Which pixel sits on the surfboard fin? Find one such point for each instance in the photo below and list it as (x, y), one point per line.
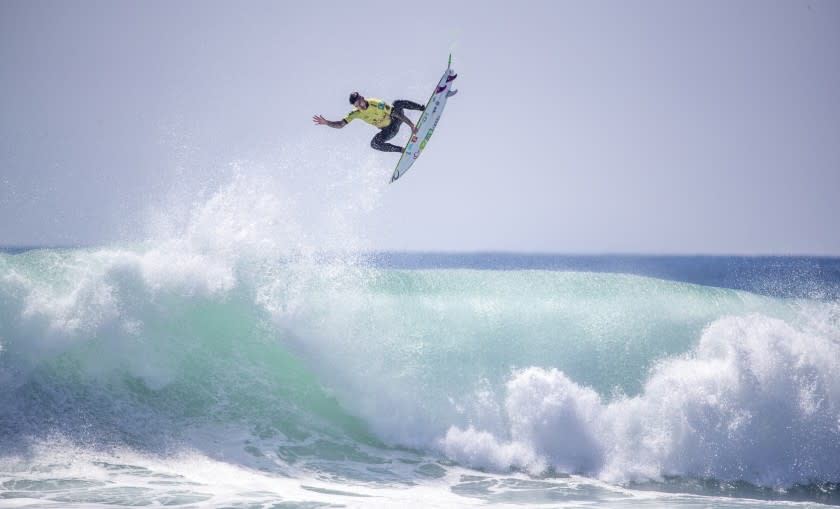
(450, 93)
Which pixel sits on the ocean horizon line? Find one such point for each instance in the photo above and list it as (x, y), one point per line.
(22, 248)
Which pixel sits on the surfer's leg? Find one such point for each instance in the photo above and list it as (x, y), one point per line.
(378, 141)
(379, 144)
(402, 104)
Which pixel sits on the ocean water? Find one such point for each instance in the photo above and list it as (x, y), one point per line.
(210, 368)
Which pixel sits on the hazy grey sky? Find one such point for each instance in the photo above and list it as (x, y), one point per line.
(641, 126)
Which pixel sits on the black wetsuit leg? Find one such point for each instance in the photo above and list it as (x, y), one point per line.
(378, 141)
(402, 104)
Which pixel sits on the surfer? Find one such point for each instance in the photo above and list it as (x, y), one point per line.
(378, 113)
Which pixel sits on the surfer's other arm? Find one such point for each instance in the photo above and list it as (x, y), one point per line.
(399, 114)
(337, 124)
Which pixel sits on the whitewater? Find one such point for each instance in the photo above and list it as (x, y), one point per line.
(231, 360)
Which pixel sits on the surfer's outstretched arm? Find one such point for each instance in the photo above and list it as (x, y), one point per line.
(318, 119)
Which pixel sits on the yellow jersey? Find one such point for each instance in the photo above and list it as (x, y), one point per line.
(378, 113)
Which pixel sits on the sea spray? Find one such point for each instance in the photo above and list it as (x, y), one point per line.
(237, 336)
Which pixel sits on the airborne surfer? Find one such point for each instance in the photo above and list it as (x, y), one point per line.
(378, 113)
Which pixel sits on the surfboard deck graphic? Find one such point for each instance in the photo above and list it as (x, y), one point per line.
(427, 123)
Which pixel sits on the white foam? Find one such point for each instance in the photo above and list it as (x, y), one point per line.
(122, 476)
(757, 400)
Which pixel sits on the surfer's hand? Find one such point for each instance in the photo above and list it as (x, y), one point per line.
(318, 119)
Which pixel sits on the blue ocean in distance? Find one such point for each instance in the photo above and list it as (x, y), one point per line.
(778, 276)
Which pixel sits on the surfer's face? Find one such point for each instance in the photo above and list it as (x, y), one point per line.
(361, 103)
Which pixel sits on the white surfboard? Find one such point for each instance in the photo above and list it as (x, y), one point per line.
(427, 123)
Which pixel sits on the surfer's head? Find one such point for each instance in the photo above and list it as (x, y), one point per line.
(358, 101)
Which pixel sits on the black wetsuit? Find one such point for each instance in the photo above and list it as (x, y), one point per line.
(388, 132)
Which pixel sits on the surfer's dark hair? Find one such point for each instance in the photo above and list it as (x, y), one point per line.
(354, 97)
